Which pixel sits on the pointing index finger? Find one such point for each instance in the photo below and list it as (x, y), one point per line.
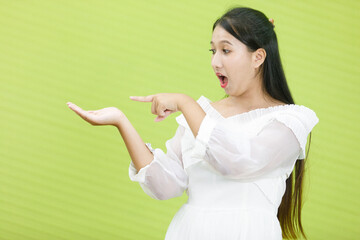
(142, 99)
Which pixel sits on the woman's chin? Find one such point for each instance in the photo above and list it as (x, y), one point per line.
(227, 90)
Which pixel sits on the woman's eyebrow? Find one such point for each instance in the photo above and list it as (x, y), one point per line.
(224, 41)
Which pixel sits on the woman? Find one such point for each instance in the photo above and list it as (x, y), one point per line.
(236, 158)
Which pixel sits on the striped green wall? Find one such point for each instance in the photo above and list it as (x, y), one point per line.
(61, 178)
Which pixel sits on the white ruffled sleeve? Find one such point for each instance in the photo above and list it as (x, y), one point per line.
(271, 152)
(164, 177)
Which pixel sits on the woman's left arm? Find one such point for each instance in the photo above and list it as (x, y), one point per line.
(249, 152)
(235, 154)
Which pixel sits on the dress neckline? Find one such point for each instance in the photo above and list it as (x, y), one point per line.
(246, 115)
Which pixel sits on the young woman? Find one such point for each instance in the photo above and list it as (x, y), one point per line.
(241, 159)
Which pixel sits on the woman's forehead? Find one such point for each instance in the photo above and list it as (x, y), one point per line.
(221, 36)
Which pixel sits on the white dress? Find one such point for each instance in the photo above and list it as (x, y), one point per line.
(233, 172)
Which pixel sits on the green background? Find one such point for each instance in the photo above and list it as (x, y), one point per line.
(61, 178)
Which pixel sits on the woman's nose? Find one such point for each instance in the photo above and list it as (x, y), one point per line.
(216, 61)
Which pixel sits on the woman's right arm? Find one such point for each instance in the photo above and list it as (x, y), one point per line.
(140, 155)
(160, 175)
(165, 176)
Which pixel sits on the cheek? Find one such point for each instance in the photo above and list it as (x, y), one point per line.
(242, 67)
(237, 68)
(239, 72)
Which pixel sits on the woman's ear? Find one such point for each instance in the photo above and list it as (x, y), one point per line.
(259, 57)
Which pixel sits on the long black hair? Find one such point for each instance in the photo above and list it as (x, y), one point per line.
(253, 28)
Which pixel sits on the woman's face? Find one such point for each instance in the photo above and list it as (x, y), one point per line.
(232, 62)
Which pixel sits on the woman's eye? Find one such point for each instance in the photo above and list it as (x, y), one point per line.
(212, 50)
(226, 51)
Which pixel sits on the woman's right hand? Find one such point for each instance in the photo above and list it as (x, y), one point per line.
(105, 116)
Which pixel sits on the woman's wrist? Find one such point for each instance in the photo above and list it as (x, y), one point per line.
(120, 120)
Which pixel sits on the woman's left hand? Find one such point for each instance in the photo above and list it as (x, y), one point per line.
(163, 104)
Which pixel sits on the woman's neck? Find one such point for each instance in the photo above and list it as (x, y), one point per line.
(248, 102)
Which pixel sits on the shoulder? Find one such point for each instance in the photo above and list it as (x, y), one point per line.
(299, 113)
(300, 120)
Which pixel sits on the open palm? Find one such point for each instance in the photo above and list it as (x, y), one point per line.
(105, 116)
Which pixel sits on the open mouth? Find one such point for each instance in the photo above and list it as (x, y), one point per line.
(223, 80)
